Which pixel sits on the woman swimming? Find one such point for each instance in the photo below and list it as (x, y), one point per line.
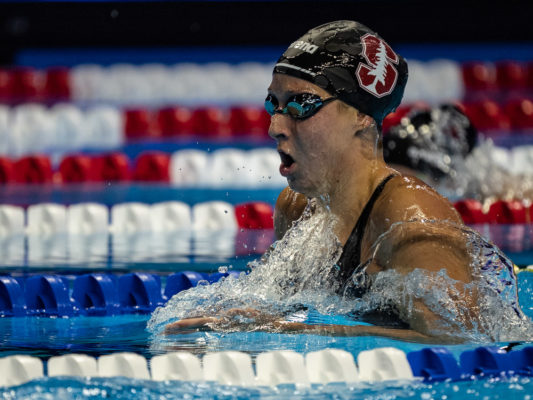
(329, 94)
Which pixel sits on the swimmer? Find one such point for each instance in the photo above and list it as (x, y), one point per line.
(430, 143)
(329, 94)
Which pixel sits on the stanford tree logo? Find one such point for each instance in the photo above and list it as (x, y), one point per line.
(378, 77)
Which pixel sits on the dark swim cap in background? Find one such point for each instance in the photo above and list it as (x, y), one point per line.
(352, 62)
(431, 141)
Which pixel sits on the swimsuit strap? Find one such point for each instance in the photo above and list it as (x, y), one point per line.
(350, 259)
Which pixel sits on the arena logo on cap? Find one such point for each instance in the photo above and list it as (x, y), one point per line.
(378, 77)
(304, 46)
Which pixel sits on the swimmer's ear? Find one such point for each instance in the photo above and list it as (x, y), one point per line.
(366, 125)
(366, 121)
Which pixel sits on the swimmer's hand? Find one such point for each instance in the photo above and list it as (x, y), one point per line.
(188, 325)
(231, 319)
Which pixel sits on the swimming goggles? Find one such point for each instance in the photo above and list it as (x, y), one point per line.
(299, 106)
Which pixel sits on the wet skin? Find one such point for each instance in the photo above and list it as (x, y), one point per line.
(335, 153)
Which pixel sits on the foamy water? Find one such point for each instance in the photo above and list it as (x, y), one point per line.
(301, 270)
(490, 172)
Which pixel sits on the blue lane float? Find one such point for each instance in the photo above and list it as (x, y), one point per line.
(96, 294)
(187, 279)
(12, 302)
(488, 361)
(139, 292)
(523, 361)
(434, 364)
(48, 295)
(182, 281)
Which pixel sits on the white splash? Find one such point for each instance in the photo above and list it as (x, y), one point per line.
(301, 270)
(490, 172)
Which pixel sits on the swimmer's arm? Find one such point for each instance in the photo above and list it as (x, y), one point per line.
(413, 249)
(416, 244)
(408, 335)
(289, 207)
(206, 323)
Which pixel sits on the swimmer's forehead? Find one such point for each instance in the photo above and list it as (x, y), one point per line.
(283, 86)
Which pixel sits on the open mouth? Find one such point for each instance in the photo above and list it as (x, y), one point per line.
(286, 163)
(286, 160)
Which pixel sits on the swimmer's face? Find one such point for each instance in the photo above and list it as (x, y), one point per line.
(314, 151)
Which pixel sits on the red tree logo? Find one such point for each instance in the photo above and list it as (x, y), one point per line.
(378, 77)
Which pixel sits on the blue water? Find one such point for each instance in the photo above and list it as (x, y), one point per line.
(45, 337)
(123, 388)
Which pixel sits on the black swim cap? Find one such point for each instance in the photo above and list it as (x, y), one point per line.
(430, 141)
(351, 62)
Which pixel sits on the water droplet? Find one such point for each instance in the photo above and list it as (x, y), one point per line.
(222, 269)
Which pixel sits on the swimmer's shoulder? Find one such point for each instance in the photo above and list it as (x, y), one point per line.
(289, 207)
(418, 245)
(407, 198)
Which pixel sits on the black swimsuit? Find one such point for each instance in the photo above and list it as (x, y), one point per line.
(350, 264)
(350, 260)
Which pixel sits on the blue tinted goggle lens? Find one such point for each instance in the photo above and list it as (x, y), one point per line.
(299, 106)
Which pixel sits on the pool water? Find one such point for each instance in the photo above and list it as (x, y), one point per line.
(122, 388)
(45, 337)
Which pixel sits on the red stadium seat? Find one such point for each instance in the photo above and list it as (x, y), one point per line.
(529, 80)
(471, 211)
(511, 75)
(6, 85)
(507, 212)
(57, 84)
(520, 112)
(212, 121)
(152, 166)
(255, 215)
(250, 121)
(78, 168)
(28, 84)
(140, 123)
(175, 121)
(33, 169)
(479, 76)
(487, 115)
(112, 167)
(7, 171)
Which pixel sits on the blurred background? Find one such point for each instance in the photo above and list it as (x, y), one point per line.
(146, 118)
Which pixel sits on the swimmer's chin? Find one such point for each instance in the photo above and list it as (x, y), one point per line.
(307, 190)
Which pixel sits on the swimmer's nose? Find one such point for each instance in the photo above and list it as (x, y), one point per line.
(279, 127)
